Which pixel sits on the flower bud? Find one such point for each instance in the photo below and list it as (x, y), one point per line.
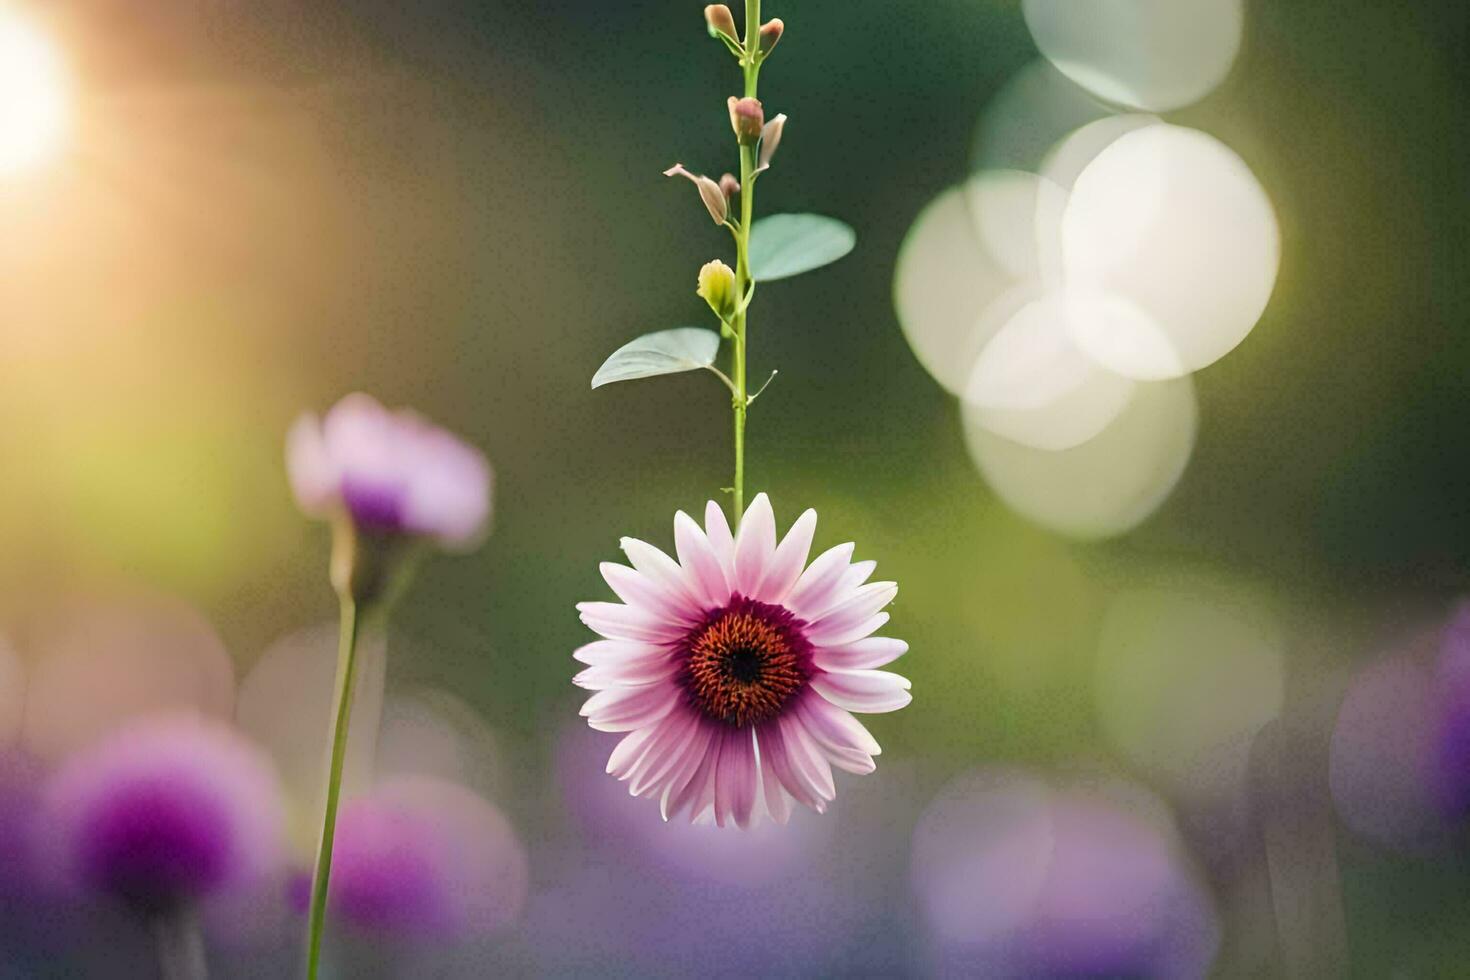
(747, 118)
(770, 34)
(771, 138)
(718, 18)
(709, 192)
(729, 185)
(717, 286)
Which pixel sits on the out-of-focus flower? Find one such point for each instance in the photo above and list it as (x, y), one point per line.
(390, 473)
(420, 858)
(165, 812)
(1451, 739)
(735, 668)
(1017, 879)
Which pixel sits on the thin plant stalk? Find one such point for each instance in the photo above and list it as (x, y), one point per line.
(741, 401)
(180, 946)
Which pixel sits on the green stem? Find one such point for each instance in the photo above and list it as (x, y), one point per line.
(741, 401)
(341, 713)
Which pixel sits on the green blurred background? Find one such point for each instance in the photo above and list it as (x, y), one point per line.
(458, 206)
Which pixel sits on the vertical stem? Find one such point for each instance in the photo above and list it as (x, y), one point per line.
(180, 946)
(341, 712)
(741, 401)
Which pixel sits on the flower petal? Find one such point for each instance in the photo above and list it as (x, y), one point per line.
(838, 750)
(629, 750)
(315, 480)
(808, 763)
(682, 776)
(864, 654)
(776, 760)
(618, 651)
(631, 673)
(735, 779)
(856, 607)
(755, 544)
(701, 564)
(619, 622)
(645, 593)
(622, 709)
(868, 691)
(811, 593)
(773, 796)
(717, 529)
(836, 637)
(790, 558)
(664, 752)
(831, 725)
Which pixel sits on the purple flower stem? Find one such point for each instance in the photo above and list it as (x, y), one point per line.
(180, 946)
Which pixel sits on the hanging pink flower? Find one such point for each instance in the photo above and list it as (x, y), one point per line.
(735, 668)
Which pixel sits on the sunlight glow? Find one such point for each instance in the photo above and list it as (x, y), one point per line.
(34, 111)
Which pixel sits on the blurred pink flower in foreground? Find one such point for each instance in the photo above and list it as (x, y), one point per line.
(390, 472)
(735, 668)
(167, 811)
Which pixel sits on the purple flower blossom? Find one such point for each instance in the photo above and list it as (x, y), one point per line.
(166, 811)
(424, 859)
(1451, 752)
(390, 472)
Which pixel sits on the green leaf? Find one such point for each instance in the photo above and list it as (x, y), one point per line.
(790, 244)
(665, 352)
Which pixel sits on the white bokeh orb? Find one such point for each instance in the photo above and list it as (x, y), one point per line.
(1171, 248)
(1032, 385)
(1150, 54)
(1105, 486)
(34, 103)
(967, 251)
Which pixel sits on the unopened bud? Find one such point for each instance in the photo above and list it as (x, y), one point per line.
(747, 119)
(709, 192)
(717, 286)
(729, 185)
(718, 18)
(771, 138)
(770, 34)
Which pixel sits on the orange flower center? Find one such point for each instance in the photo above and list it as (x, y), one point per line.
(746, 662)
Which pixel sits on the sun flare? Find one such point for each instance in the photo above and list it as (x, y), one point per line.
(33, 96)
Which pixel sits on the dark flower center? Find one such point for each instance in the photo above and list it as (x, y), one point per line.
(745, 662)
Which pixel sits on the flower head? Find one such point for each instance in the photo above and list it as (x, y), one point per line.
(733, 669)
(389, 472)
(747, 118)
(717, 288)
(167, 811)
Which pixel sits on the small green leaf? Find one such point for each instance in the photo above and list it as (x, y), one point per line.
(665, 352)
(790, 244)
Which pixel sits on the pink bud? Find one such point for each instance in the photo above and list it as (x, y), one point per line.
(729, 185)
(771, 138)
(747, 118)
(709, 192)
(770, 34)
(718, 18)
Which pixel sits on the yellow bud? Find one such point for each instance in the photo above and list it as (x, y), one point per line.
(717, 286)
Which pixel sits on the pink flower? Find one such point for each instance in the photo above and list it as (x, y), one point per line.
(733, 670)
(390, 472)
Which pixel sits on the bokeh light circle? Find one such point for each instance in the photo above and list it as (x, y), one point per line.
(1152, 54)
(1105, 486)
(34, 109)
(1171, 247)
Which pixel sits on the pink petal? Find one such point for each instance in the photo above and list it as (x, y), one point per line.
(660, 568)
(663, 752)
(314, 478)
(854, 609)
(776, 801)
(628, 751)
(645, 593)
(871, 651)
(600, 652)
(622, 709)
(831, 725)
(837, 637)
(632, 673)
(776, 760)
(789, 560)
(681, 777)
(717, 529)
(868, 691)
(810, 595)
(755, 544)
(808, 762)
(735, 779)
(619, 622)
(700, 562)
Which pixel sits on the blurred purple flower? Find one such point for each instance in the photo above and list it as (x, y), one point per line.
(391, 472)
(164, 812)
(1451, 761)
(1016, 879)
(419, 858)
